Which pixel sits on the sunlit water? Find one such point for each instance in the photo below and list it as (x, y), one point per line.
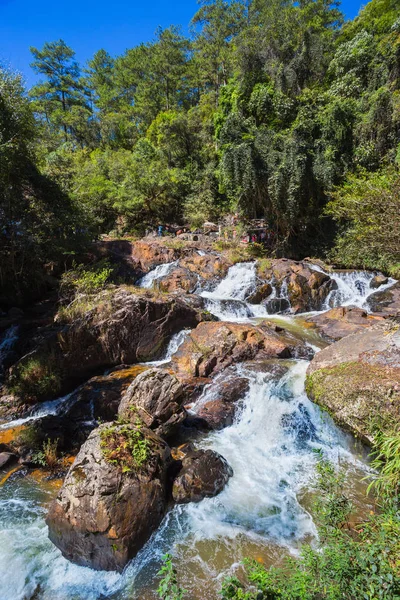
(263, 512)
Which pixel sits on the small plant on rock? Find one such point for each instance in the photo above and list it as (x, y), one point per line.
(125, 446)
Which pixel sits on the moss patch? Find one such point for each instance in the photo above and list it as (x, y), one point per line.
(359, 397)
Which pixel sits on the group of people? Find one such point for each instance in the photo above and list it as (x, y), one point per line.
(264, 236)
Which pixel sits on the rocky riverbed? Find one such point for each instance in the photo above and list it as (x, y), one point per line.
(182, 402)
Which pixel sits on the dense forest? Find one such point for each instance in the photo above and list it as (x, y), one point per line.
(275, 109)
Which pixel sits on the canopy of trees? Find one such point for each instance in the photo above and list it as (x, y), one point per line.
(270, 108)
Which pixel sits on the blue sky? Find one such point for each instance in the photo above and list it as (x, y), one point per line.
(88, 25)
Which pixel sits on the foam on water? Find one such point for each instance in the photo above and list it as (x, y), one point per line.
(353, 288)
(227, 300)
(148, 280)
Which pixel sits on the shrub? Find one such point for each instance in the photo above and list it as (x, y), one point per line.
(47, 457)
(367, 209)
(35, 380)
(86, 279)
(169, 588)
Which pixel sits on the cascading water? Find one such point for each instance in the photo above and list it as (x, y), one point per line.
(227, 300)
(353, 288)
(147, 281)
(175, 342)
(262, 513)
(45, 409)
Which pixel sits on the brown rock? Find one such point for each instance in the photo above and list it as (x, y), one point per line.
(339, 322)
(157, 397)
(213, 346)
(387, 302)
(204, 474)
(378, 280)
(219, 411)
(124, 328)
(260, 294)
(102, 515)
(357, 379)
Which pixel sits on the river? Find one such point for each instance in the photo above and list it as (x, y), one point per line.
(264, 512)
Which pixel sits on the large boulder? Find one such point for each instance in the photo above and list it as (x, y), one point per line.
(213, 346)
(339, 322)
(357, 379)
(113, 497)
(121, 328)
(204, 474)
(156, 396)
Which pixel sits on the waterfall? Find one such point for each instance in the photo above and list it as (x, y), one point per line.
(353, 288)
(227, 300)
(175, 342)
(148, 280)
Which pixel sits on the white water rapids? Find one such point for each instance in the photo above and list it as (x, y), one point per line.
(261, 513)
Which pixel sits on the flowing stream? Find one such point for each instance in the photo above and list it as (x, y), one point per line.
(263, 513)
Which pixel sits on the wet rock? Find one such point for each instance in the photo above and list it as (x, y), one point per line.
(387, 302)
(357, 379)
(204, 474)
(262, 292)
(277, 305)
(220, 410)
(339, 322)
(214, 346)
(307, 289)
(123, 328)
(178, 279)
(157, 397)
(378, 280)
(6, 458)
(104, 514)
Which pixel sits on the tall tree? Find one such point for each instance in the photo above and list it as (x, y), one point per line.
(61, 99)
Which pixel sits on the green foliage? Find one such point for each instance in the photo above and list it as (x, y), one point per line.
(125, 446)
(387, 462)
(35, 379)
(47, 457)
(87, 280)
(169, 588)
(368, 210)
(270, 109)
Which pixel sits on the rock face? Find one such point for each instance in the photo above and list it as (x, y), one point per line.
(102, 515)
(157, 397)
(204, 474)
(179, 278)
(124, 328)
(357, 379)
(387, 302)
(219, 411)
(378, 280)
(213, 346)
(307, 289)
(339, 322)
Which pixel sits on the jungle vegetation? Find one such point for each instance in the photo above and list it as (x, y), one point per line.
(275, 109)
